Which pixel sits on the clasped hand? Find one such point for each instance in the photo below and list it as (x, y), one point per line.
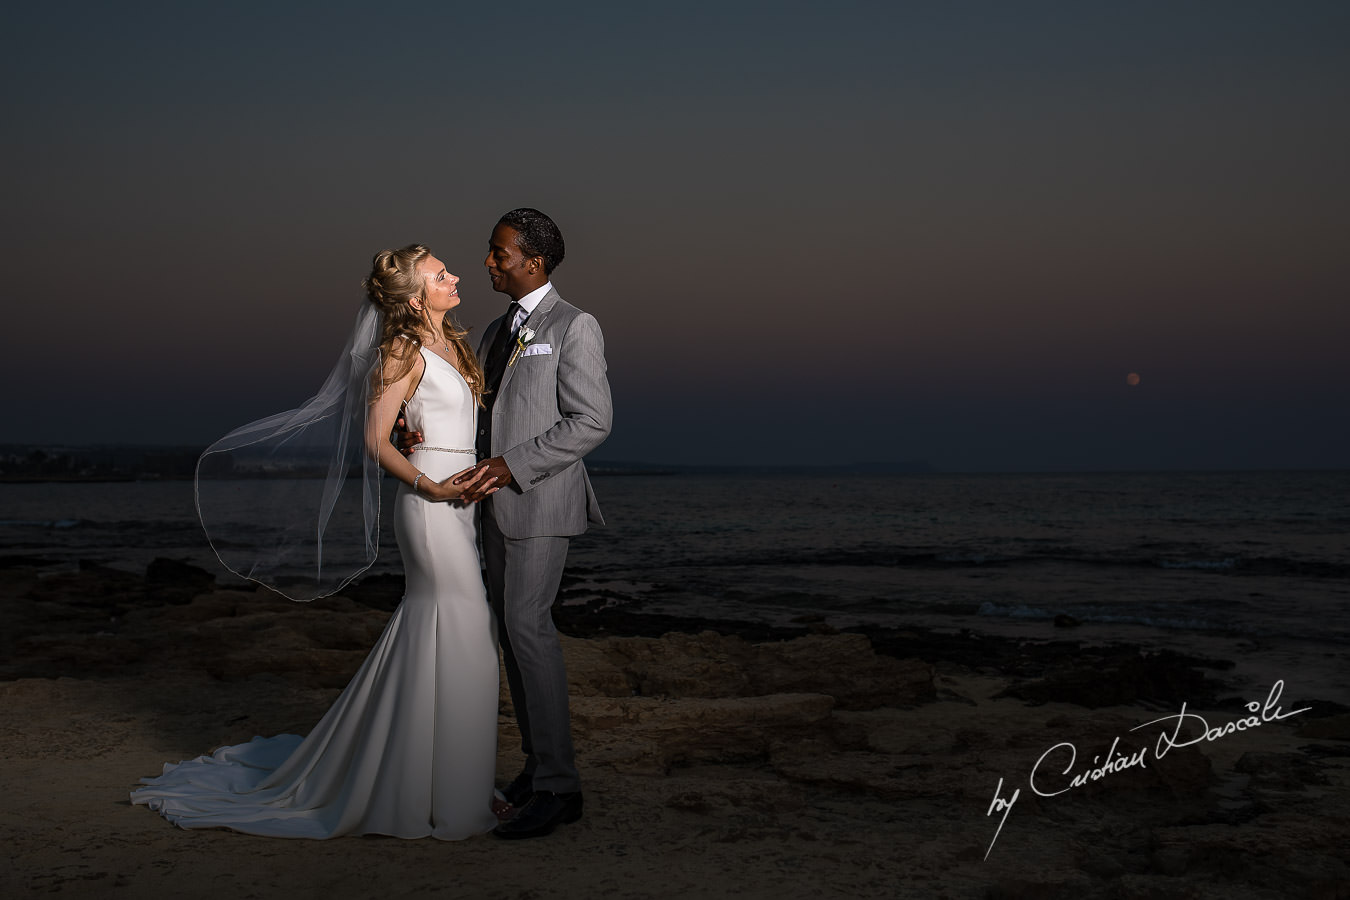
(498, 476)
(470, 485)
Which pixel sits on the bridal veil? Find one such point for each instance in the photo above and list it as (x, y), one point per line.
(292, 501)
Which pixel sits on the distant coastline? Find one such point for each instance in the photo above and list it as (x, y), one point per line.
(98, 463)
(624, 467)
(41, 463)
(24, 463)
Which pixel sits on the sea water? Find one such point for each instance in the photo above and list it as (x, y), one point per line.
(1162, 558)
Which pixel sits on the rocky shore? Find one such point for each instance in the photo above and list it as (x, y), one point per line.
(721, 759)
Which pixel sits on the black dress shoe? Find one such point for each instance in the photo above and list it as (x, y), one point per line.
(545, 812)
(518, 792)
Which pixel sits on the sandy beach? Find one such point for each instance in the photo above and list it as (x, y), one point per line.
(719, 761)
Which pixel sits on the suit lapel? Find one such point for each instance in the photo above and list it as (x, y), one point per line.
(536, 321)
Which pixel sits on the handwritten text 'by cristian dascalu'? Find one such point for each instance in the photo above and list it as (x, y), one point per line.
(1047, 779)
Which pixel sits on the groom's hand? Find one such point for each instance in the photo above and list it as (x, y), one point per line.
(404, 440)
(495, 468)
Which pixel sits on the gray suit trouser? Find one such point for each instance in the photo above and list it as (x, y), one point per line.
(522, 581)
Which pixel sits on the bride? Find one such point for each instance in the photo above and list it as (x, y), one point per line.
(409, 748)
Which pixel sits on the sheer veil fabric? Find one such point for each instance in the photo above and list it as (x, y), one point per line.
(292, 501)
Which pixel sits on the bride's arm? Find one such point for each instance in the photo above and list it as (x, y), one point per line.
(381, 421)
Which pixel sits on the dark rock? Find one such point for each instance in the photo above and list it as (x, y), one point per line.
(1186, 772)
(1280, 771)
(174, 581)
(1331, 728)
(710, 665)
(1098, 679)
(645, 735)
(92, 585)
(1170, 860)
(1038, 889)
(382, 592)
(690, 801)
(20, 561)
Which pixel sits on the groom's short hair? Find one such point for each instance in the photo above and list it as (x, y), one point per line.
(536, 235)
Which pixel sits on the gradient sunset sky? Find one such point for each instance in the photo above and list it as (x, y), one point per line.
(812, 232)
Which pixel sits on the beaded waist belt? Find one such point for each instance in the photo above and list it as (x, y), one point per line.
(445, 450)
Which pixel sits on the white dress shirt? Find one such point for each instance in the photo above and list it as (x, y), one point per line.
(527, 305)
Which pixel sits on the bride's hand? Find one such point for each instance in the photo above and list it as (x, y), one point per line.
(448, 490)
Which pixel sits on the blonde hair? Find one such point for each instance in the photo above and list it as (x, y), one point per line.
(393, 282)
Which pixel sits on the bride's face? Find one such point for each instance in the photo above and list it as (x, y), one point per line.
(442, 288)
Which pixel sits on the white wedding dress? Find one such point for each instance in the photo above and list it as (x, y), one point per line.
(409, 748)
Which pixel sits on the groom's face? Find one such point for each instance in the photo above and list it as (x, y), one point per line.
(511, 272)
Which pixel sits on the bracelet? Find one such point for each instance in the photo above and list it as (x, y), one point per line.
(420, 476)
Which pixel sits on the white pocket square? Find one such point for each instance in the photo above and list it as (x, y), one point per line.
(538, 350)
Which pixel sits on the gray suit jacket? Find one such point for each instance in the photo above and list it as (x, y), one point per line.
(552, 409)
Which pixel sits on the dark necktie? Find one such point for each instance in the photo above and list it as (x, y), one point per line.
(494, 366)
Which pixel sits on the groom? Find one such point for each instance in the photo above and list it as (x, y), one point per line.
(547, 406)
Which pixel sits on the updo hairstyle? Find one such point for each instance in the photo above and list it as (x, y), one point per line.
(393, 282)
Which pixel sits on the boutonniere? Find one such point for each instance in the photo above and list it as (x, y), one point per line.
(523, 338)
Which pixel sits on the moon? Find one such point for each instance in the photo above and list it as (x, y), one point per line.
(1132, 379)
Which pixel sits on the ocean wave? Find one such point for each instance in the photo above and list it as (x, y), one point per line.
(40, 523)
(994, 610)
(1227, 563)
(863, 557)
(968, 558)
(1199, 563)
